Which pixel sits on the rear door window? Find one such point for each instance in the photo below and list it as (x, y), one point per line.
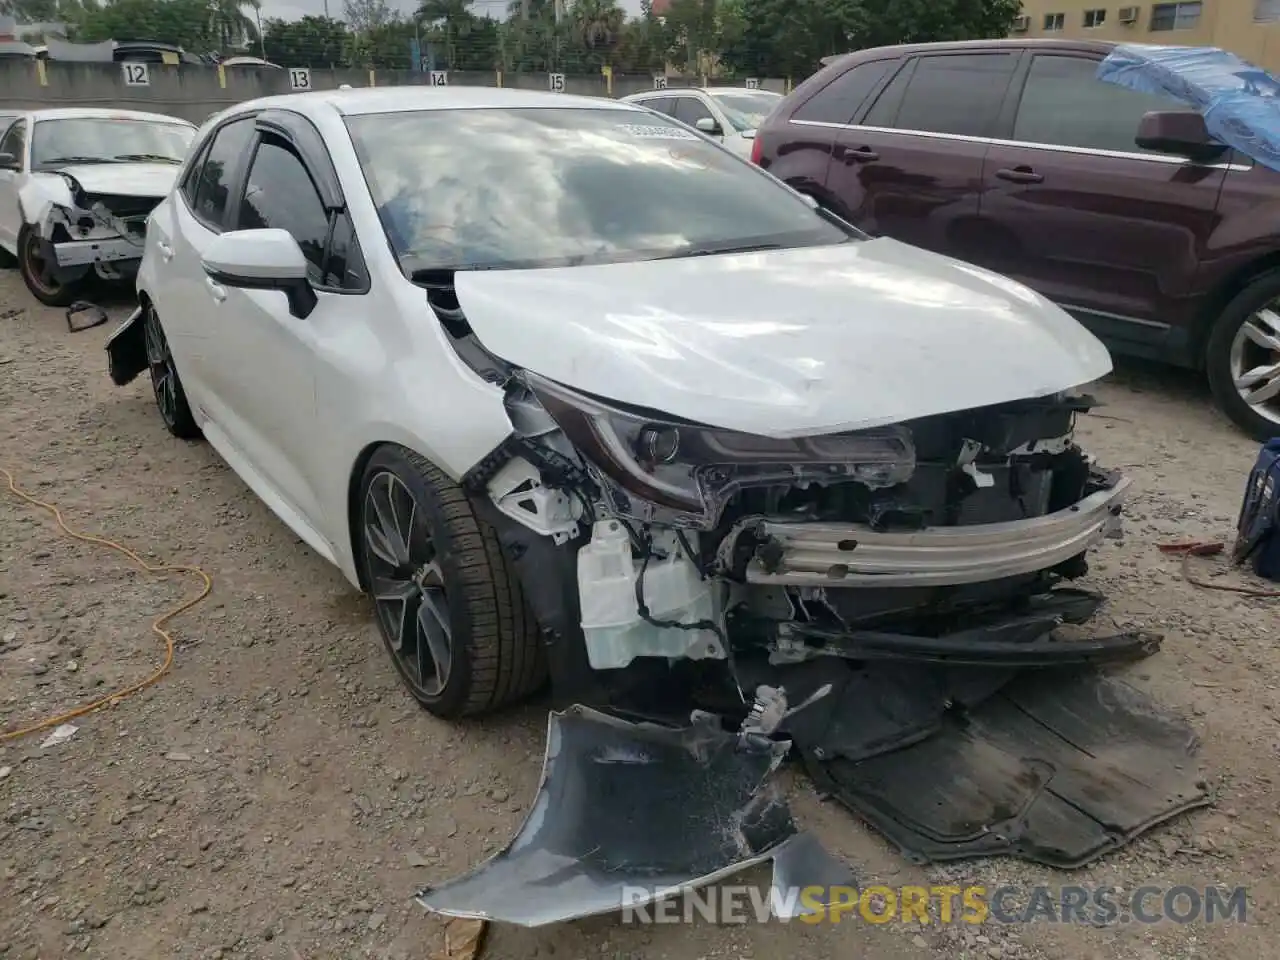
(1065, 104)
(839, 101)
(213, 184)
(946, 93)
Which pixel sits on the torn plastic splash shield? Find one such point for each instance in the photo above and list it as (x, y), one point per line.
(1055, 766)
(626, 807)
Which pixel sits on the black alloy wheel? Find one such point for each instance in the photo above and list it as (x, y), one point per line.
(451, 614)
(171, 399)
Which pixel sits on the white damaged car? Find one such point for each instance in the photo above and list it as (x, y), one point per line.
(568, 389)
(76, 187)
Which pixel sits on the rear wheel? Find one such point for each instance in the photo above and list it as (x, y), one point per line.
(37, 269)
(171, 399)
(451, 613)
(1243, 358)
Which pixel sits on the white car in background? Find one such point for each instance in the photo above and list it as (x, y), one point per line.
(76, 186)
(564, 385)
(728, 114)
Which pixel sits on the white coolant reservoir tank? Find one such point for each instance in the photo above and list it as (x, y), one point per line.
(673, 591)
(606, 580)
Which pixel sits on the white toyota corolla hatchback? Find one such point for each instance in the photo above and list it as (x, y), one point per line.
(563, 385)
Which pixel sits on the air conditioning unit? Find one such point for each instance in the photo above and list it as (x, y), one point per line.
(1129, 14)
(1021, 24)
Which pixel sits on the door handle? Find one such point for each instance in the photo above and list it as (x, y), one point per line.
(166, 251)
(860, 155)
(216, 291)
(1020, 175)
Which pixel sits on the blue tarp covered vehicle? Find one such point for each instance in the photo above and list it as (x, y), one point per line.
(1239, 101)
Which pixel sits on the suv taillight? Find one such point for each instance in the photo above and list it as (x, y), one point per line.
(756, 149)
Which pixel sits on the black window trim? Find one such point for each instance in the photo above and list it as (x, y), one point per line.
(1008, 112)
(330, 193)
(872, 95)
(197, 168)
(912, 63)
(1013, 100)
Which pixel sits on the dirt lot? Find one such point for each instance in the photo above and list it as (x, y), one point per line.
(276, 795)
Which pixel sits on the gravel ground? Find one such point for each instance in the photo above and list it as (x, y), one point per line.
(276, 795)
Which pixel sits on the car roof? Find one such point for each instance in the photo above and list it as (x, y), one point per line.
(374, 100)
(711, 91)
(99, 113)
(714, 90)
(873, 53)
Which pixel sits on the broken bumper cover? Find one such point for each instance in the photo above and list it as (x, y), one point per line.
(854, 555)
(631, 813)
(79, 253)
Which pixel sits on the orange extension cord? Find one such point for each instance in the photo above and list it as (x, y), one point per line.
(157, 625)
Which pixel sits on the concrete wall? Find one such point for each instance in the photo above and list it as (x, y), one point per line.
(193, 92)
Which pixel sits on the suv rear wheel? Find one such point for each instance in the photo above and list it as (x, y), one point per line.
(1243, 358)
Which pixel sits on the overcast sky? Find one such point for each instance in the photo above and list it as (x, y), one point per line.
(293, 9)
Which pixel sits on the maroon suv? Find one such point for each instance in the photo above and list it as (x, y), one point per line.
(1010, 154)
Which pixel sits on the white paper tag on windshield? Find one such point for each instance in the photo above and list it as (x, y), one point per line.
(657, 132)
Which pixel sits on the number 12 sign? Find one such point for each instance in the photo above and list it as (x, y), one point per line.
(136, 74)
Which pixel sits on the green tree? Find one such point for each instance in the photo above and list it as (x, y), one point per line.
(790, 37)
(458, 38)
(311, 41)
(691, 33)
(188, 23)
(364, 15)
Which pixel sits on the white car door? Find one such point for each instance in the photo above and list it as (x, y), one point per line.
(13, 141)
(263, 352)
(179, 231)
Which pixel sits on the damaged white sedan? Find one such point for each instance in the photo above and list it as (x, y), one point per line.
(76, 186)
(569, 389)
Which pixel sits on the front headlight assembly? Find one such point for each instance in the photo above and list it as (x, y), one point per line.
(693, 469)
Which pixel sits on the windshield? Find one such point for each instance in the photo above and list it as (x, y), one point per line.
(747, 110)
(107, 140)
(494, 188)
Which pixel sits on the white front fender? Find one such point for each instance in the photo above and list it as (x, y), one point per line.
(37, 199)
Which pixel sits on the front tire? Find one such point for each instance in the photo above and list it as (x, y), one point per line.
(1242, 358)
(37, 272)
(171, 399)
(451, 612)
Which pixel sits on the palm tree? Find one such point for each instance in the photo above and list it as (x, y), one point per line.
(598, 22)
(229, 25)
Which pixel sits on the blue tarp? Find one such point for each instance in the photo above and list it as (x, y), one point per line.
(1240, 102)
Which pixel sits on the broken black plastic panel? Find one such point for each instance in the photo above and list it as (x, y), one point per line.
(1053, 766)
(628, 813)
(84, 315)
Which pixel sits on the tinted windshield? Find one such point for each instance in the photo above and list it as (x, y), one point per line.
(746, 111)
(498, 188)
(106, 139)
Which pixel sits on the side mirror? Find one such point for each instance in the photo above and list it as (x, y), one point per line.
(267, 259)
(8, 161)
(1179, 132)
(708, 125)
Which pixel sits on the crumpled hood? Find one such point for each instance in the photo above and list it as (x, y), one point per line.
(789, 342)
(123, 179)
